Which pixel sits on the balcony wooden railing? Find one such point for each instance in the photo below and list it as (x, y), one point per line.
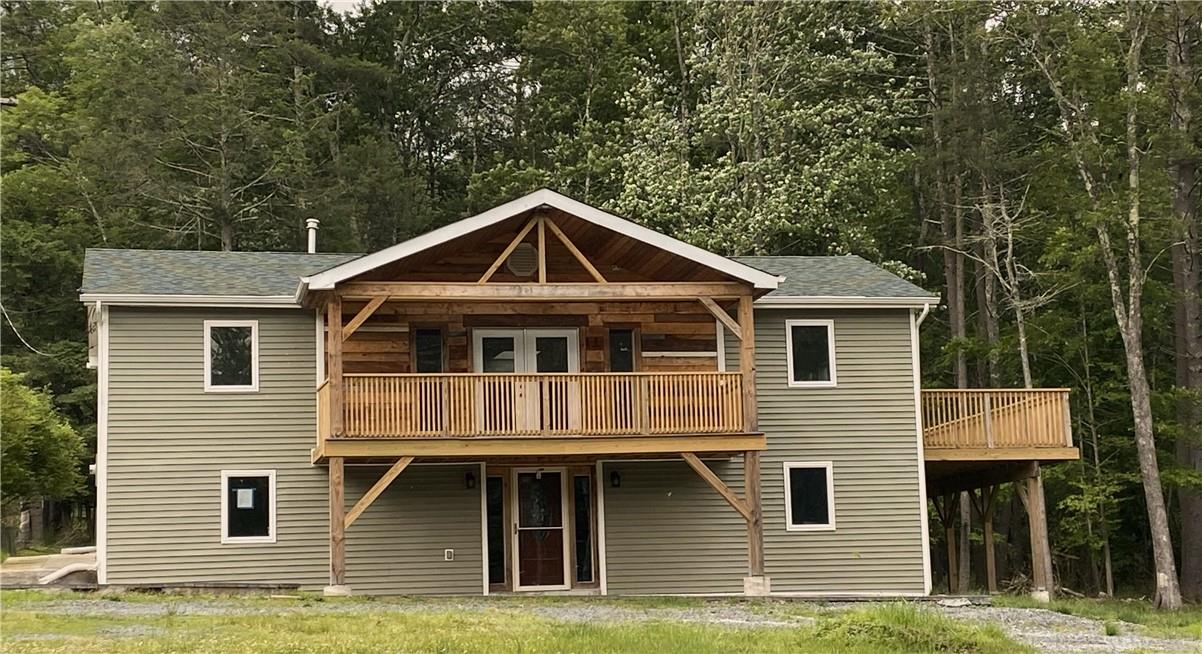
(996, 419)
(545, 404)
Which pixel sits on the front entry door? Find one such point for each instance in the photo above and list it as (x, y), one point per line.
(540, 517)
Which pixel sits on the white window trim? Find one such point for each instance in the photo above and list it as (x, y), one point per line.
(226, 539)
(830, 352)
(830, 495)
(254, 356)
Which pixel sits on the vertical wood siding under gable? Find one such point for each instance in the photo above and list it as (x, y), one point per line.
(169, 440)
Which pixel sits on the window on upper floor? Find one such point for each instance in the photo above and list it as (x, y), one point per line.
(621, 350)
(809, 496)
(248, 506)
(810, 348)
(231, 355)
(427, 350)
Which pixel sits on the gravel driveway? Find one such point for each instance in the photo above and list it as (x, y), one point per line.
(1046, 630)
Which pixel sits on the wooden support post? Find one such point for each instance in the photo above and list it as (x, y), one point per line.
(1031, 493)
(747, 362)
(377, 489)
(334, 363)
(951, 504)
(337, 524)
(755, 523)
(989, 501)
(542, 250)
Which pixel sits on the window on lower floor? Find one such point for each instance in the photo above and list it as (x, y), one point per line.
(248, 506)
(809, 496)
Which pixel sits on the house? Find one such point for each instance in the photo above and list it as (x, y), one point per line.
(542, 397)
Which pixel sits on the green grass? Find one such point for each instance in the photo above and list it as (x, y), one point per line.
(1186, 623)
(35, 550)
(30, 622)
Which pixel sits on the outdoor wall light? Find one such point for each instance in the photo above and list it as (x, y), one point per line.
(615, 479)
(469, 480)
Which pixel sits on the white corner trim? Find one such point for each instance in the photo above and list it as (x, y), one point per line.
(226, 539)
(924, 518)
(102, 446)
(162, 300)
(830, 352)
(602, 576)
(543, 197)
(830, 495)
(774, 301)
(720, 344)
(209, 387)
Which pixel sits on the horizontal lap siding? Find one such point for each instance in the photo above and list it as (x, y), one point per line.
(667, 531)
(397, 545)
(867, 427)
(168, 441)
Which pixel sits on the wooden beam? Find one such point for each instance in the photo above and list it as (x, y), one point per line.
(542, 250)
(722, 316)
(379, 487)
(337, 524)
(550, 292)
(508, 251)
(527, 446)
(1001, 454)
(999, 473)
(567, 242)
(747, 361)
(714, 481)
(363, 315)
(755, 523)
(334, 362)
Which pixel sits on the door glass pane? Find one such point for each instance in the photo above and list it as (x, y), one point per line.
(582, 495)
(496, 530)
(498, 354)
(248, 507)
(552, 353)
(539, 502)
(540, 557)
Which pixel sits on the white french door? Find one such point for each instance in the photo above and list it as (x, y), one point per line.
(527, 351)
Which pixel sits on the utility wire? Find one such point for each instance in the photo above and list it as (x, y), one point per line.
(19, 336)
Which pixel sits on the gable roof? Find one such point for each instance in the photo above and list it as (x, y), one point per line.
(836, 280)
(263, 277)
(326, 279)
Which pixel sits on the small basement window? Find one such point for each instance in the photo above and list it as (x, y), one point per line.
(810, 348)
(231, 355)
(248, 506)
(809, 496)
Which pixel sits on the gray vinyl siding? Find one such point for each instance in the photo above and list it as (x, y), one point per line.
(667, 531)
(397, 545)
(168, 441)
(866, 426)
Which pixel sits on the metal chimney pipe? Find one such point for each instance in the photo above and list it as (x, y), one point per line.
(311, 226)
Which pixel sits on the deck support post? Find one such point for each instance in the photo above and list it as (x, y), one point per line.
(1030, 491)
(951, 505)
(756, 583)
(334, 362)
(337, 585)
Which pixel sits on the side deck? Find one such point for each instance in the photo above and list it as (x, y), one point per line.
(997, 425)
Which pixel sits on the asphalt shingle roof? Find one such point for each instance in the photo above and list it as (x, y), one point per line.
(190, 272)
(842, 276)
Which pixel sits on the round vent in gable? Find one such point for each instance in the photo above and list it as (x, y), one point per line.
(523, 261)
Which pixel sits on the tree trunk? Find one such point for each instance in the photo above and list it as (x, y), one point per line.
(1183, 170)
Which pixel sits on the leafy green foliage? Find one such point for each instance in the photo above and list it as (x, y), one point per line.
(40, 454)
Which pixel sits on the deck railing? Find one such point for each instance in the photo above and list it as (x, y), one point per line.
(544, 404)
(991, 418)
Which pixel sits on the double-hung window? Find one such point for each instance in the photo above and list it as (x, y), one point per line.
(231, 355)
(809, 496)
(810, 348)
(248, 506)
